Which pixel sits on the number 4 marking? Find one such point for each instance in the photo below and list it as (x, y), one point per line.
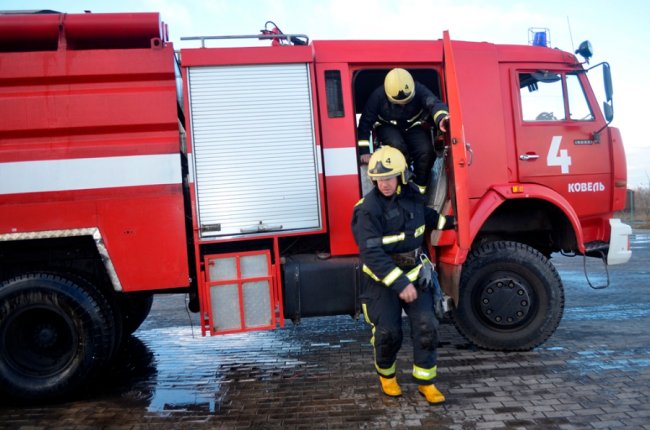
(557, 156)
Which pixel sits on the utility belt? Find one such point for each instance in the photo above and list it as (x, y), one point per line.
(407, 259)
(405, 124)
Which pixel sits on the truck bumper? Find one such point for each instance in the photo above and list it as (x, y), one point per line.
(619, 243)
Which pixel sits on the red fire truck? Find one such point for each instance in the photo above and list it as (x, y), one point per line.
(230, 174)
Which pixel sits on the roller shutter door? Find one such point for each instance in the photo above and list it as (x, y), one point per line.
(255, 159)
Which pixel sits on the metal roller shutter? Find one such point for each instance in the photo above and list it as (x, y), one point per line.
(254, 150)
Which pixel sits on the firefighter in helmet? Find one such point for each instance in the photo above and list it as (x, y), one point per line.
(399, 112)
(388, 225)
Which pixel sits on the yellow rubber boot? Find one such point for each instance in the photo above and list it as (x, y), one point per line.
(431, 393)
(390, 387)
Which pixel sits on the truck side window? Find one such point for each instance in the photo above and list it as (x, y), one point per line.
(542, 97)
(579, 109)
(334, 94)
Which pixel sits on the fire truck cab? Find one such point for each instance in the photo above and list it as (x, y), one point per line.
(230, 174)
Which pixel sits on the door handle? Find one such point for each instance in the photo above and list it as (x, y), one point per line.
(260, 228)
(528, 157)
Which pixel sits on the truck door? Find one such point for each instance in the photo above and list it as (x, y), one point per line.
(554, 125)
(458, 151)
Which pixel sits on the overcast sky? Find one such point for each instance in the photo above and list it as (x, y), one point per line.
(619, 32)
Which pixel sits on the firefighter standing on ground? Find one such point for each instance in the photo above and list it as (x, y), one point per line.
(401, 107)
(388, 226)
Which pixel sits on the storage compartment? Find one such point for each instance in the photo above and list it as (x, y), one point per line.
(255, 158)
(239, 292)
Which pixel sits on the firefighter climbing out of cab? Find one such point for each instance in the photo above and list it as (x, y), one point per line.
(389, 225)
(399, 112)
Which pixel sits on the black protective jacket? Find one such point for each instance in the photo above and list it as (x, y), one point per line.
(379, 108)
(390, 225)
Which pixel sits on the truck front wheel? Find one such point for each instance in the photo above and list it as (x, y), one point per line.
(54, 336)
(511, 297)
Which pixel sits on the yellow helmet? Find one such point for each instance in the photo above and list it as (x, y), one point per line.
(387, 162)
(399, 86)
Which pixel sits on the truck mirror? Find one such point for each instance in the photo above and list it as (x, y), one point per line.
(608, 104)
(608, 109)
(607, 78)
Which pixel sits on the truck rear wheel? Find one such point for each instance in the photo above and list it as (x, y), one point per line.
(54, 336)
(511, 297)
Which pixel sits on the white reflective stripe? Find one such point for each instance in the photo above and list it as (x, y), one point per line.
(340, 161)
(392, 239)
(89, 173)
(390, 278)
(319, 159)
(190, 165)
(419, 231)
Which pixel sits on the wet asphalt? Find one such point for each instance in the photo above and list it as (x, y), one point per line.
(593, 373)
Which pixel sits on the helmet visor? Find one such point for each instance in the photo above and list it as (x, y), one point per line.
(379, 171)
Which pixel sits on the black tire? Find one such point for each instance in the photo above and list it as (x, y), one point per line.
(511, 297)
(135, 308)
(54, 336)
(109, 307)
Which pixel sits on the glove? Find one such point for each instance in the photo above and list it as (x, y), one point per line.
(425, 276)
(439, 304)
(428, 279)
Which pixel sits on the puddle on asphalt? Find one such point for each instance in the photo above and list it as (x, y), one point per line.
(181, 400)
(216, 370)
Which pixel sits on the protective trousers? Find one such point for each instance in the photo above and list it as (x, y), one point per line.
(415, 144)
(382, 309)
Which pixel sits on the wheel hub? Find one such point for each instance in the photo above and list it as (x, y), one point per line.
(45, 337)
(505, 302)
(39, 341)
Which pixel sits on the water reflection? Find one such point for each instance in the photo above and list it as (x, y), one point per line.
(612, 312)
(590, 361)
(201, 381)
(130, 376)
